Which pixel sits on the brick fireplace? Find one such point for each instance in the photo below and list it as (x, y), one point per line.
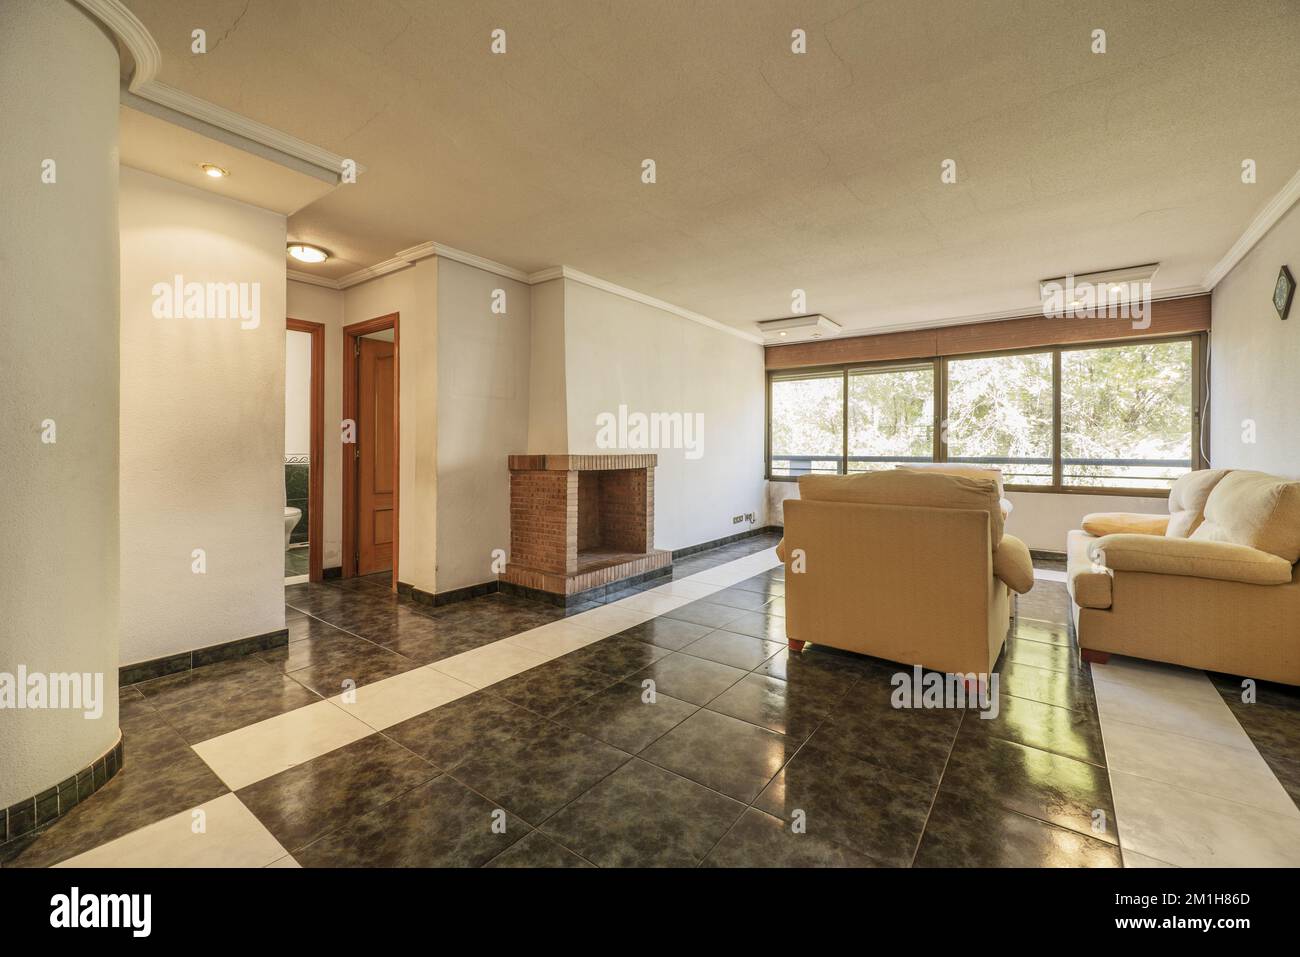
(581, 523)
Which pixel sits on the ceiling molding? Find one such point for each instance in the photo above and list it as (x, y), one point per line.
(295, 275)
(1273, 210)
(131, 33)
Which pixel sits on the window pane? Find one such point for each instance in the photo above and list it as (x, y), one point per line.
(807, 425)
(1000, 413)
(891, 418)
(1126, 415)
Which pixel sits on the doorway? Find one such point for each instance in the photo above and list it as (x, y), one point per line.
(371, 365)
(304, 448)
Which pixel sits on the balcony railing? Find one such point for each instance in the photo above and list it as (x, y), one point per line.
(1084, 472)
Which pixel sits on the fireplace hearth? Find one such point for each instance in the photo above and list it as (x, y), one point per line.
(581, 523)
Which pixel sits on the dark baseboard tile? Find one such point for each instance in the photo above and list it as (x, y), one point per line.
(334, 571)
(26, 816)
(591, 594)
(719, 542)
(185, 660)
(437, 600)
(1047, 556)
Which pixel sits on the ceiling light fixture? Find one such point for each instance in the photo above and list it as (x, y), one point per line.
(1115, 282)
(216, 172)
(797, 327)
(307, 253)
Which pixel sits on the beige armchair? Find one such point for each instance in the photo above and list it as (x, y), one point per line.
(1217, 590)
(908, 566)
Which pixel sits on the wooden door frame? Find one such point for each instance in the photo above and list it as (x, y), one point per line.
(316, 467)
(350, 399)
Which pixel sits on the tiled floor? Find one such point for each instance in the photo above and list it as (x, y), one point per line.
(669, 725)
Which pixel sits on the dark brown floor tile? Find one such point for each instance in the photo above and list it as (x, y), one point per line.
(1046, 601)
(764, 584)
(536, 773)
(966, 832)
(535, 850)
(210, 716)
(729, 648)
(705, 612)
(1040, 655)
(756, 624)
(761, 840)
(1074, 734)
(745, 599)
(1049, 632)
(644, 816)
(874, 811)
(687, 677)
(344, 667)
(222, 679)
(450, 733)
(669, 633)
(1039, 784)
(1065, 689)
(553, 686)
(724, 754)
(819, 670)
(328, 792)
(617, 656)
(791, 709)
(626, 716)
(439, 824)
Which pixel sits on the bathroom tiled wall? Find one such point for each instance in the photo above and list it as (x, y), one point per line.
(296, 469)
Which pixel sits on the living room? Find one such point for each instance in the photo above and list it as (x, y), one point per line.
(625, 436)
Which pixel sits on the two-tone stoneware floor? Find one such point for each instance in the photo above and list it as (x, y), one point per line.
(670, 725)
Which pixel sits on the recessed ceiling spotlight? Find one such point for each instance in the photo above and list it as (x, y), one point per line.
(306, 253)
(216, 172)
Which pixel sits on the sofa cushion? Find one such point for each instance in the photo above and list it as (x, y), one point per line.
(1089, 585)
(1117, 523)
(1012, 564)
(1255, 509)
(1193, 557)
(909, 487)
(1187, 500)
(958, 468)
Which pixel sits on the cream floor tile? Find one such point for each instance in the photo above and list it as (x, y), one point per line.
(1190, 829)
(651, 603)
(611, 619)
(556, 638)
(686, 588)
(1134, 859)
(385, 703)
(489, 664)
(231, 837)
(276, 744)
(1235, 774)
(1169, 711)
(1157, 677)
(286, 861)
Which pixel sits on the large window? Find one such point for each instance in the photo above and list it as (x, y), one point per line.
(1104, 417)
(1126, 415)
(891, 417)
(1000, 413)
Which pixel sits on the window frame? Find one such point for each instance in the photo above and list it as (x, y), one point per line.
(1200, 405)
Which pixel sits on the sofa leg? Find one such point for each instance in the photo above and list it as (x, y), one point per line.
(795, 644)
(1095, 657)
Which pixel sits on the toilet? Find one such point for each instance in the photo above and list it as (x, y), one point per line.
(292, 516)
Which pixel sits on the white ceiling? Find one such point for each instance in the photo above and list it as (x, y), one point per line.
(775, 171)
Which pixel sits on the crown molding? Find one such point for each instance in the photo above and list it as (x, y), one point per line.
(131, 33)
(295, 275)
(1265, 220)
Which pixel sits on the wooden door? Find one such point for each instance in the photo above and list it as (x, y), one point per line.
(377, 444)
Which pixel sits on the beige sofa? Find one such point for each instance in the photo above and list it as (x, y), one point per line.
(1213, 587)
(910, 566)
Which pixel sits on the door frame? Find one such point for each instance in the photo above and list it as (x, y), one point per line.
(350, 400)
(316, 467)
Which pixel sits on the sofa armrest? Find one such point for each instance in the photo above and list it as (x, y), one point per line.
(780, 549)
(1190, 557)
(1012, 565)
(1117, 523)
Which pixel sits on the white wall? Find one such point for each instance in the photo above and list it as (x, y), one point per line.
(202, 424)
(413, 293)
(620, 351)
(483, 415)
(58, 361)
(297, 393)
(1255, 360)
(548, 419)
(318, 304)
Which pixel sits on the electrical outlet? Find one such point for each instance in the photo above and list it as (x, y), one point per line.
(737, 519)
